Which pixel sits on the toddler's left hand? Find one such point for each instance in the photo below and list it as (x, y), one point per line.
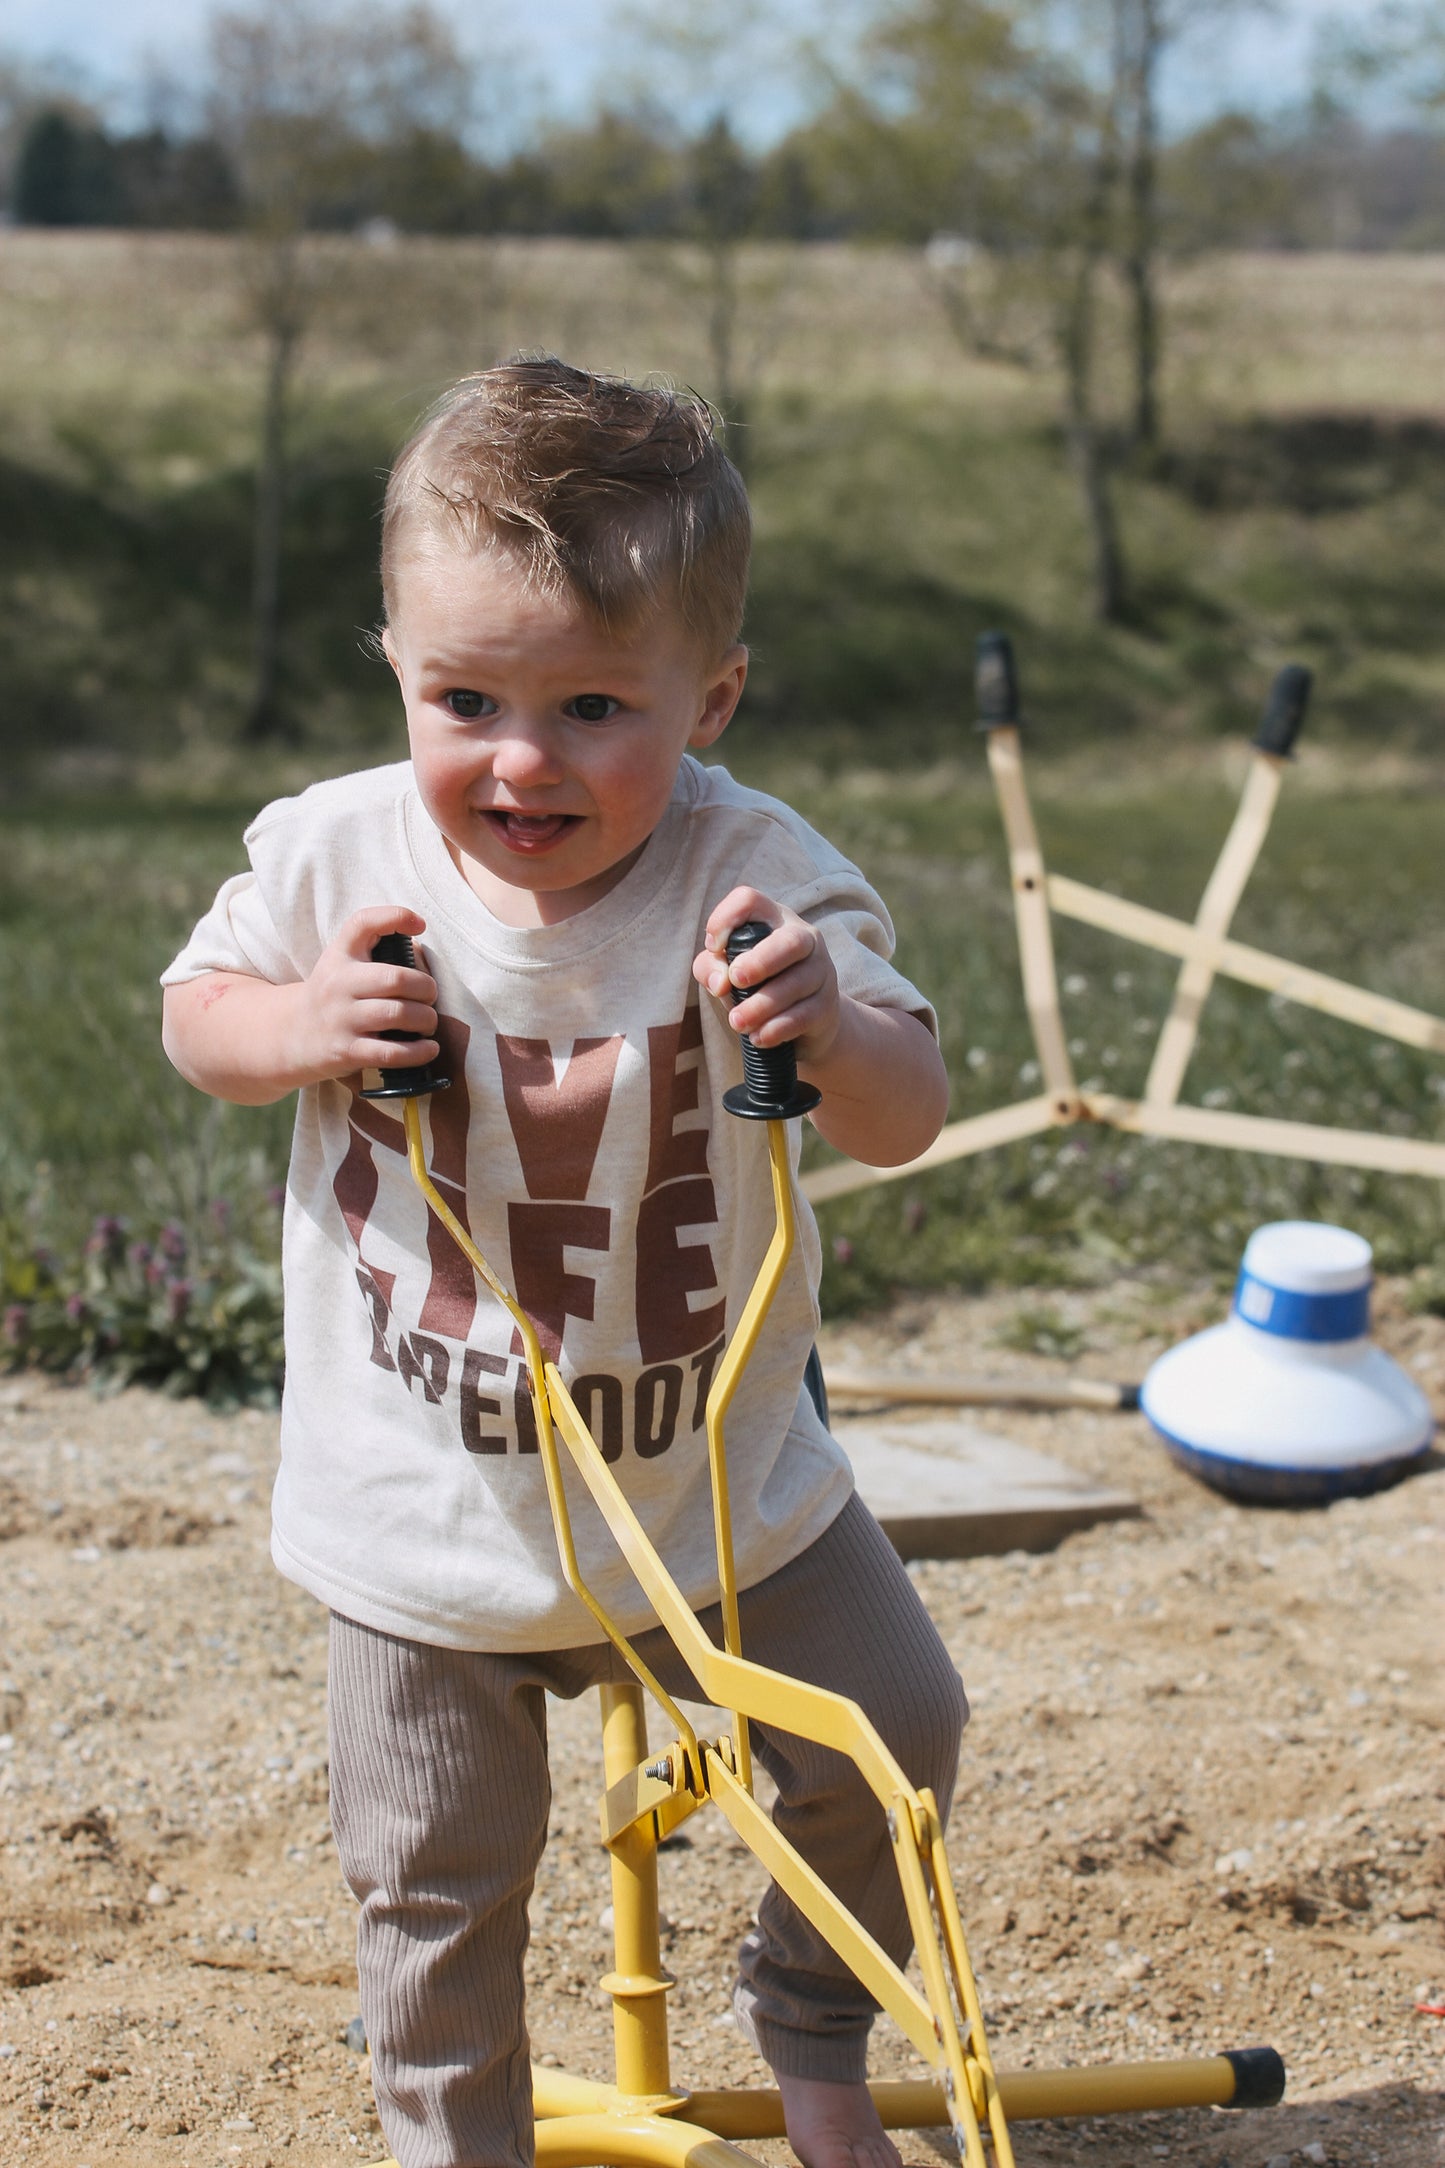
(800, 1000)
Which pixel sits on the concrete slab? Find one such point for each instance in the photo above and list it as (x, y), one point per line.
(947, 1489)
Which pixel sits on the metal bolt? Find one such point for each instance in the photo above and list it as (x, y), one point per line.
(661, 1769)
(892, 1826)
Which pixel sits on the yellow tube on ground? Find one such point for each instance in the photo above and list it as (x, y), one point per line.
(633, 2141)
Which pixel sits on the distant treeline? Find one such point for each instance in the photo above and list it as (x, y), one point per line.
(1240, 181)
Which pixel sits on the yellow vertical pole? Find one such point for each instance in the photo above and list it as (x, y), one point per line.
(1031, 918)
(638, 1985)
(1216, 911)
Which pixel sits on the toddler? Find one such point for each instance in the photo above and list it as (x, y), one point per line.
(564, 563)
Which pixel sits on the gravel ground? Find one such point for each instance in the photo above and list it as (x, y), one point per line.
(1202, 1803)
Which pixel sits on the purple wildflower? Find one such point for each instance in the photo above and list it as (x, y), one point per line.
(107, 1238)
(178, 1300)
(172, 1243)
(77, 1309)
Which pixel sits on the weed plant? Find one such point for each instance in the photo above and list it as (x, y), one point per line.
(132, 1311)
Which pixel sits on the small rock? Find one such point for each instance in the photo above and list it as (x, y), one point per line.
(158, 1894)
(238, 2122)
(1279, 2160)
(1314, 2151)
(1134, 1968)
(354, 2036)
(1417, 1904)
(1033, 1921)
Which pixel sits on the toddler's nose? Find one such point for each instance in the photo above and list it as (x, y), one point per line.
(526, 758)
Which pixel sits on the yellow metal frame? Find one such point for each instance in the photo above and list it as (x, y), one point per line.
(1205, 952)
(641, 2120)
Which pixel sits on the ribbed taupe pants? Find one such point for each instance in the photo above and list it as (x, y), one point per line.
(439, 1801)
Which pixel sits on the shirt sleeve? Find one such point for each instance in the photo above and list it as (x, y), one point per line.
(854, 922)
(238, 933)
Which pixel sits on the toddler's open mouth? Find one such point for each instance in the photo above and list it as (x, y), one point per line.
(530, 831)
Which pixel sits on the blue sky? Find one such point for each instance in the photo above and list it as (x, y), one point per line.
(1259, 57)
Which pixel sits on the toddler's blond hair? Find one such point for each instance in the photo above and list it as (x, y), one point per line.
(617, 494)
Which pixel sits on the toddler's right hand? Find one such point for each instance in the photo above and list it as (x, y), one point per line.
(348, 1001)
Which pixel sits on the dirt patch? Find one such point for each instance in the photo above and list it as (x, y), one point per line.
(1202, 1804)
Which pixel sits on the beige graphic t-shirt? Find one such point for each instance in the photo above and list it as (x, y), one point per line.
(584, 1144)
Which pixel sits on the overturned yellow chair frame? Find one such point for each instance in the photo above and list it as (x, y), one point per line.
(1205, 952)
(640, 2120)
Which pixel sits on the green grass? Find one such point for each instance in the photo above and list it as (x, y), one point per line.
(906, 499)
(94, 899)
(94, 902)
(1348, 884)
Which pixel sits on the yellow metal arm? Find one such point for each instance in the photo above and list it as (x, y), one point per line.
(640, 2122)
(946, 2024)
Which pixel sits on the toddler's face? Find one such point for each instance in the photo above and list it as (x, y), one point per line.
(544, 749)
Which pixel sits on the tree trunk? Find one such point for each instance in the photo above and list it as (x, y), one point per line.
(1086, 447)
(266, 718)
(722, 325)
(1141, 252)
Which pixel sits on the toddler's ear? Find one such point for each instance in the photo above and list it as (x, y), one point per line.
(721, 696)
(388, 648)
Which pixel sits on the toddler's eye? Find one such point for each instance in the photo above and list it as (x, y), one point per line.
(592, 707)
(467, 704)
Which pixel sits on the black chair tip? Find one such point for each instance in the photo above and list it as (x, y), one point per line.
(1258, 2077)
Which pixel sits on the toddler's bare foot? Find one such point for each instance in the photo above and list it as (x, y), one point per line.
(835, 2126)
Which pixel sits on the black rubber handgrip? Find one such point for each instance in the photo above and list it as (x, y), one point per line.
(1284, 712)
(1258, 2077)
(996, 682)
(396, 948)
(770, 1091)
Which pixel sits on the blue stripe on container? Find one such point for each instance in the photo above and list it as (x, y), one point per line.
(1266, 1483)
(1294, 1316)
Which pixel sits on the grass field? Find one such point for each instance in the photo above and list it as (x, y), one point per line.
(93, 901)
(906, 498)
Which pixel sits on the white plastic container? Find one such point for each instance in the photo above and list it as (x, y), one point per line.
(1288, 1402)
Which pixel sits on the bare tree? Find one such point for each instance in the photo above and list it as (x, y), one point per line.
(1139, 34)
(301, 96)
(1015, 143)
(698, 59)
(1142, 33)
